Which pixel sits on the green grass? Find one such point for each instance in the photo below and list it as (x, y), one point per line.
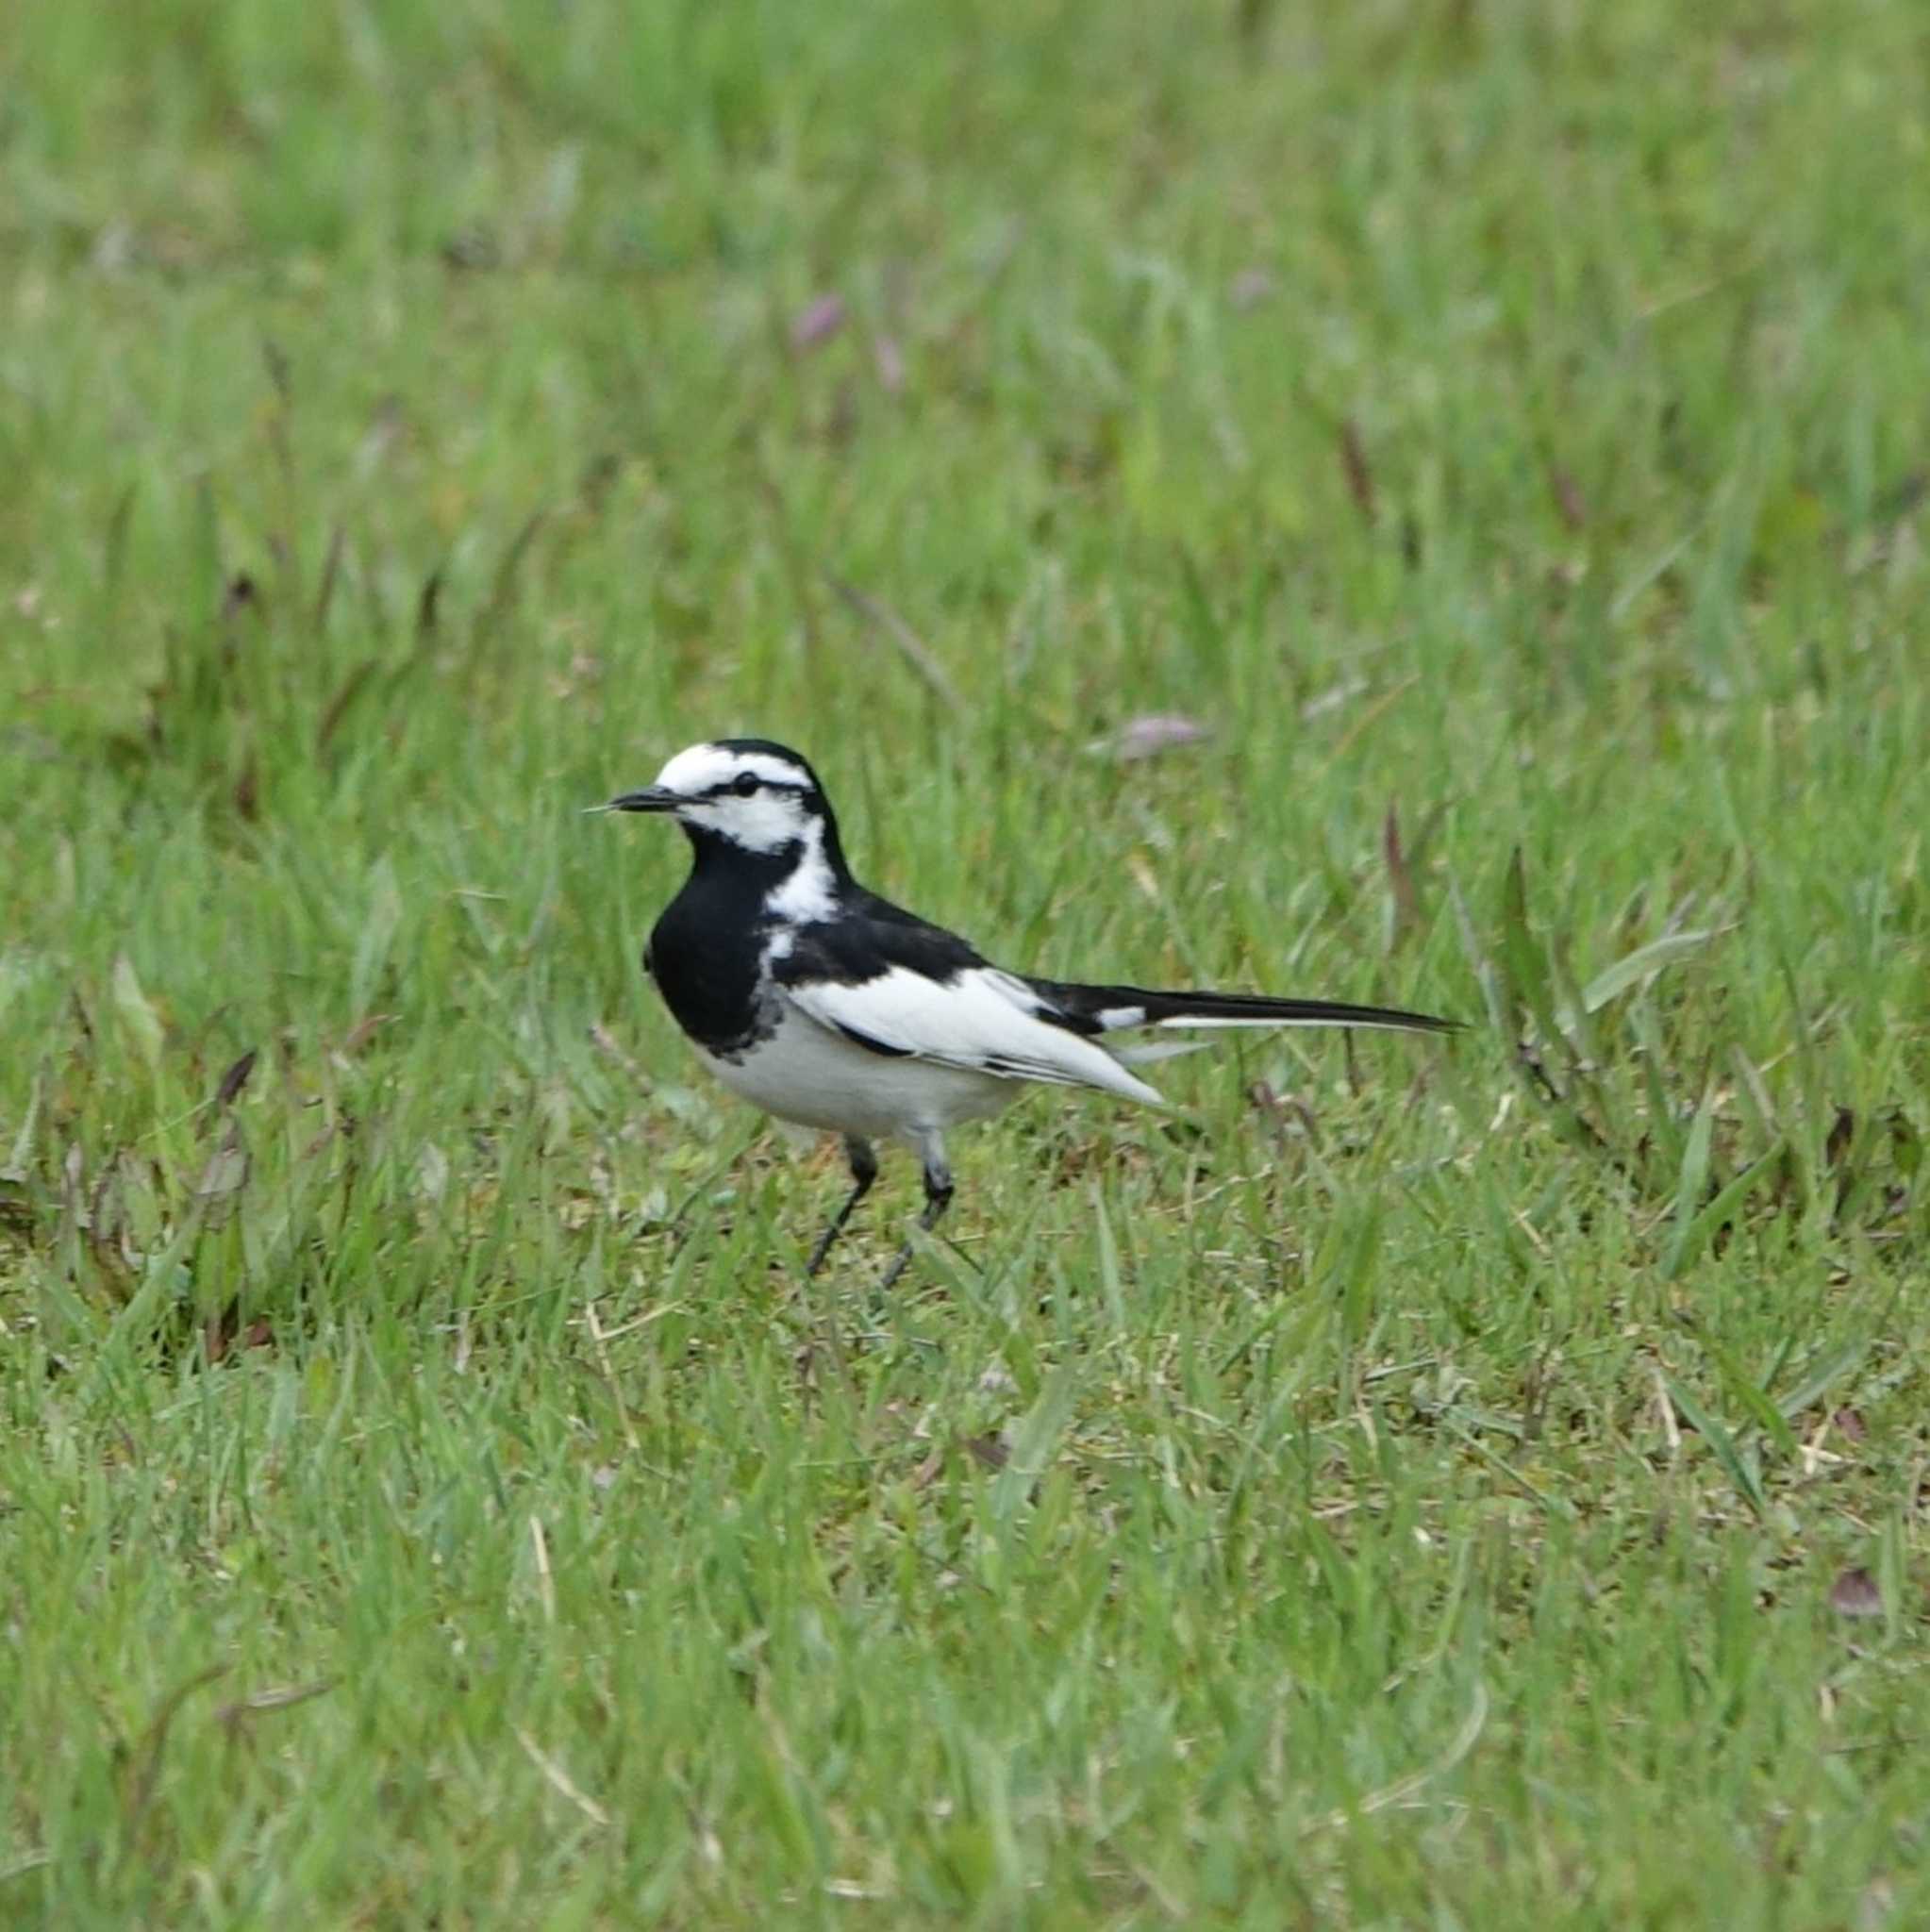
(1409, 1487)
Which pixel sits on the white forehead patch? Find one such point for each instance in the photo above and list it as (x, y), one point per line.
(701, 767)
(767, 821)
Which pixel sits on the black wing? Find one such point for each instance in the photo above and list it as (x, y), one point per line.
(870, 936)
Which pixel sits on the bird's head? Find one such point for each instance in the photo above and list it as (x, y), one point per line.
(747, 792)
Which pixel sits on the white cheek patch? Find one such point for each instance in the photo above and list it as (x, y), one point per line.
(765, 821)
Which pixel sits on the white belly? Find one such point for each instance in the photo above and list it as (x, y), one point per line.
(805, 1073)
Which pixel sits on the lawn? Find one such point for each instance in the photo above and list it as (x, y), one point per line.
(1407, 1486)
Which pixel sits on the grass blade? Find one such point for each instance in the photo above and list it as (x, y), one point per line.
(1722, 1443)
(1693, 1236)
(1643, 964)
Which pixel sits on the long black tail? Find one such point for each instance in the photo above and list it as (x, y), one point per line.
(1091, 1009)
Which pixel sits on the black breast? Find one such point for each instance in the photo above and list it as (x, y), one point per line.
(705, 952)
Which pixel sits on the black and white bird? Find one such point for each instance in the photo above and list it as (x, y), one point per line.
(827, 1006)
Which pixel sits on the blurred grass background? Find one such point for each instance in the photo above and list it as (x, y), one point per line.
(1416, 1488)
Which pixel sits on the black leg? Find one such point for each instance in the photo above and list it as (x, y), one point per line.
(939, 1190)
(864, 1170)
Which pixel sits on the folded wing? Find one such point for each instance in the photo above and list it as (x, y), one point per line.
(977, 1018)
(937, 999)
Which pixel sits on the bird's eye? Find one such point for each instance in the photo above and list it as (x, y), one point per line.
(746, 785)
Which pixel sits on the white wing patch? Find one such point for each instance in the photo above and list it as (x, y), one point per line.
(982, 1020)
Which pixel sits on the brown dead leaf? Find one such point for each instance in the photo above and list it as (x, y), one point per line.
(1265, 1097)
(1569, 502)
(283, 1697)
(218, 1331)
(349, 691)
(426, 607)
(990, 1451)
(1907, 495)
(140, 1765)
(240, 595)
(364, 1030)
(222, 1332)
(1855, 1594)
(817, 323)
(234, 1080)
(474, 247)
(1354, 464)
(993, 1450)
(247, 792)
(331, 575)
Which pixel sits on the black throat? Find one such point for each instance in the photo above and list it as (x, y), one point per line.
(706, 950)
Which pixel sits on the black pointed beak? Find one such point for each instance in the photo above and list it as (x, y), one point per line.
(652, 798)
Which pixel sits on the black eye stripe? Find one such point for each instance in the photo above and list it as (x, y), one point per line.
(728, 788)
